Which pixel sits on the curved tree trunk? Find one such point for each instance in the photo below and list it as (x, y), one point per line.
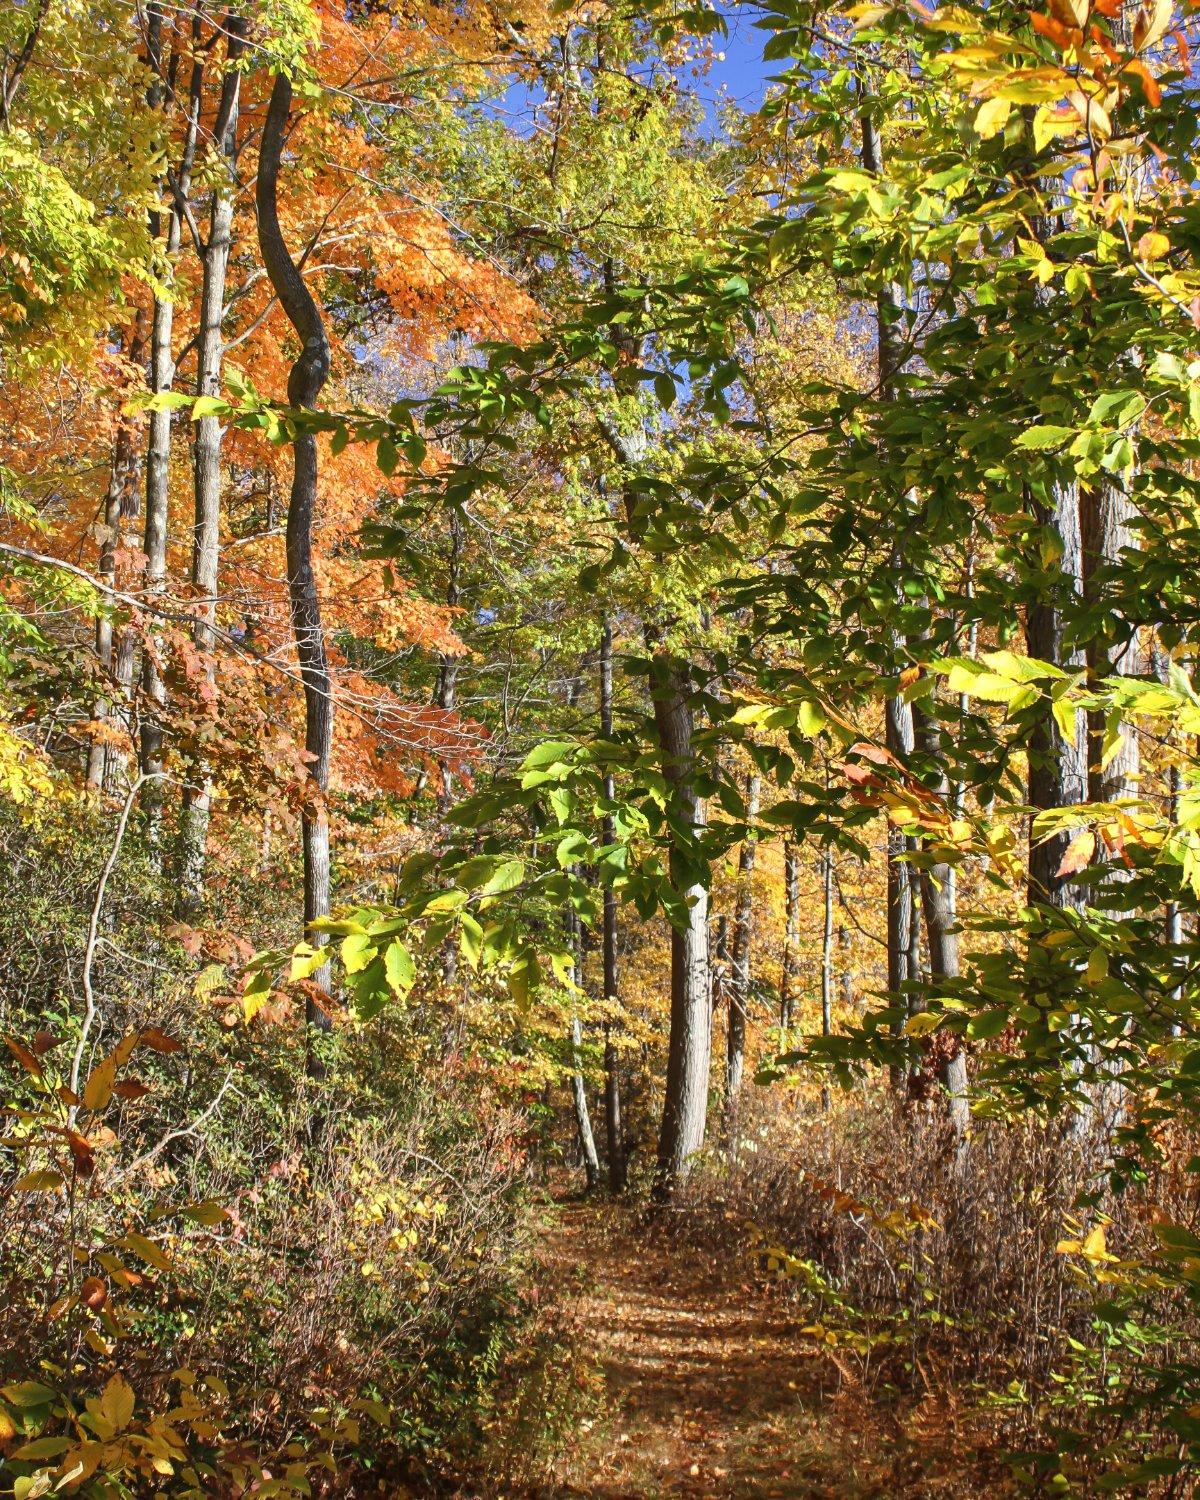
(308, 375)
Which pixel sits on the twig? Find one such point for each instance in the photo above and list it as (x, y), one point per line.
(89, 955)
(201, 1119)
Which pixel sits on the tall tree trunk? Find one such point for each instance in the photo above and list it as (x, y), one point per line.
(206, 536)
(305, 381)
(446, 692)
(791, 936)
(685, 1107)
(583, 1116)
(901, 910)
(938, 901)
(158, 442)
(739, 989)
(1058, 774)
(827, 953)
(613, 1124)
(1106, 517)
(106, 761)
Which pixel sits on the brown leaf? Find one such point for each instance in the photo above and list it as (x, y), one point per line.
(158, 1040)
(93, 1293)
(23, 1056)
(130, 1088)
(81, 1152)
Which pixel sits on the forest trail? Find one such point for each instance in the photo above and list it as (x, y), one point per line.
(713, 1392)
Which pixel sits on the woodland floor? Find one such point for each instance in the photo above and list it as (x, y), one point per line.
(710, 1388)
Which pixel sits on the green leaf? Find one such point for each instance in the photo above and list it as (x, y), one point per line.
(400, 969)
(470, 939)
(357, 952)
(1041, 438)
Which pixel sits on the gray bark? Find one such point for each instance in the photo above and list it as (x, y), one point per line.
(206, 534)
(685, 1107)
(791, 936)
(305, 381)
(613, 1124)
(739, 988)
(583, 1116)
(106, 762)
(158, 456)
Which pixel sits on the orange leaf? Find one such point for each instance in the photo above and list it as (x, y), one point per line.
(1078, 853)
(1054, 30)
(93, 1293)
(1149, 82)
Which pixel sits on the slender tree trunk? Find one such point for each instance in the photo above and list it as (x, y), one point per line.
(583, 1116)
(685, 1107)
(158, 455)
(308, 375)
(613, 1124)
(791, 936)
(903, 964)
(827, 955)
(106, 762)
(447, 683)
(206, 536)
(739, 989)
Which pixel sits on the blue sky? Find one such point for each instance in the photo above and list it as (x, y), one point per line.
(741, 73)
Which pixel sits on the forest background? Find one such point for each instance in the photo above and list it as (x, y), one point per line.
(605, 591)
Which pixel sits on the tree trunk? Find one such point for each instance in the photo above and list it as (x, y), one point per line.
(447, 684)
(938, 902)
(158, 451)
(106, 762)
(583, 1116)
(739, 989)
(791, 937)
(1057, 762)
(685, 1107)
(827, 955)
(305, 381)
(613, 1124)
(206, 536)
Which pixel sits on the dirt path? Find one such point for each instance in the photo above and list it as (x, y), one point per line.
(712, 1389)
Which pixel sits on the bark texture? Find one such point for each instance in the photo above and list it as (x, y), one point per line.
(305, 381)
(206, 532)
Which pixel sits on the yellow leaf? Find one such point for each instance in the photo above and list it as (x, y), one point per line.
(1153, 246)
(923, 1023)
(97, 1091)
(992, 117)
(117, 1402)
(1094, 1247)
